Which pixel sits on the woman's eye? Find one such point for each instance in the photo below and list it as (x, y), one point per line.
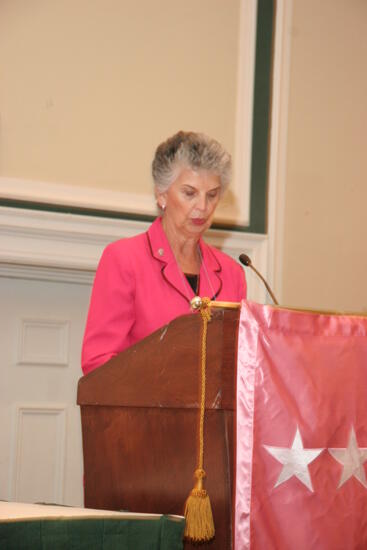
(189, 193)
(213, 194)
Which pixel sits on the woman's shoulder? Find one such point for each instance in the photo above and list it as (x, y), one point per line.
(124, 252)
(127, 243)
(135, 244)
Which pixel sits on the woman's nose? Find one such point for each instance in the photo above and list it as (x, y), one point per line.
(201, 203)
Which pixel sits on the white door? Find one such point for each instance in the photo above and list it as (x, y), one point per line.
(41, 328)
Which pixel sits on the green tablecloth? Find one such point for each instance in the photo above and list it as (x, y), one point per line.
(92, 533)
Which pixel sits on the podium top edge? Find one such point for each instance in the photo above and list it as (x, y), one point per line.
(225, 305)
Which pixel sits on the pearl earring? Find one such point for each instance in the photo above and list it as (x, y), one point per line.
(163, 207)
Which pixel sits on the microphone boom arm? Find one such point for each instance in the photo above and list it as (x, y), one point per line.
(246, 261)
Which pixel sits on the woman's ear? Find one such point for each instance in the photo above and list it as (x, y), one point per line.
(161, 199)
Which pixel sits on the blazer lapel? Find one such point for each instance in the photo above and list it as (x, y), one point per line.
(210, 273)
(162, 252)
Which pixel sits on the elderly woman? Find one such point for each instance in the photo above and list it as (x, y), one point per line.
(145, 281)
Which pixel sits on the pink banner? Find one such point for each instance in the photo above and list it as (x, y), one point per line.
(301, 431)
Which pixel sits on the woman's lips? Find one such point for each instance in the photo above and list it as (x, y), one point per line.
(198, 221)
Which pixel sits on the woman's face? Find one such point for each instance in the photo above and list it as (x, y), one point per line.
(190, 202)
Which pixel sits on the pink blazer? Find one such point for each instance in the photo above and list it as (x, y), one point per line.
(138, 288)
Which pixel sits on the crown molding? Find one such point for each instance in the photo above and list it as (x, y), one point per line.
(52, 246)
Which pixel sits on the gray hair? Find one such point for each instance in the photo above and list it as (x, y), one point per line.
(190, 150)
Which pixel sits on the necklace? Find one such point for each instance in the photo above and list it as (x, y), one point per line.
(186, 284)
(206, 275)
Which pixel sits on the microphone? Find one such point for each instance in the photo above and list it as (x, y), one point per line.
(246, 261)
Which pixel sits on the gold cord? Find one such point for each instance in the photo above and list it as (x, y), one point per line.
(205, 315)
(198, 512)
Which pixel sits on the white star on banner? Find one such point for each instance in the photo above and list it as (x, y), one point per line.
(295, 461)
(352, 458)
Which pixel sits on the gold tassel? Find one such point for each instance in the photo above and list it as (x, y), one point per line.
(198, 511)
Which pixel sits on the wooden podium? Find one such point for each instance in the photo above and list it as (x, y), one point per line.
(140, 416)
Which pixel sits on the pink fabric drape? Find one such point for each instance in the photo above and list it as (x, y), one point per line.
(301, 431)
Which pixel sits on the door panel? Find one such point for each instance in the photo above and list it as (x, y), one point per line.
(41, 329)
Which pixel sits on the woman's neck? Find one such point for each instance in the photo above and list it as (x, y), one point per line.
(185, 249)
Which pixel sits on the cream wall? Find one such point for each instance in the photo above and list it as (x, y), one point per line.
(325, 229)
(90, 88)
